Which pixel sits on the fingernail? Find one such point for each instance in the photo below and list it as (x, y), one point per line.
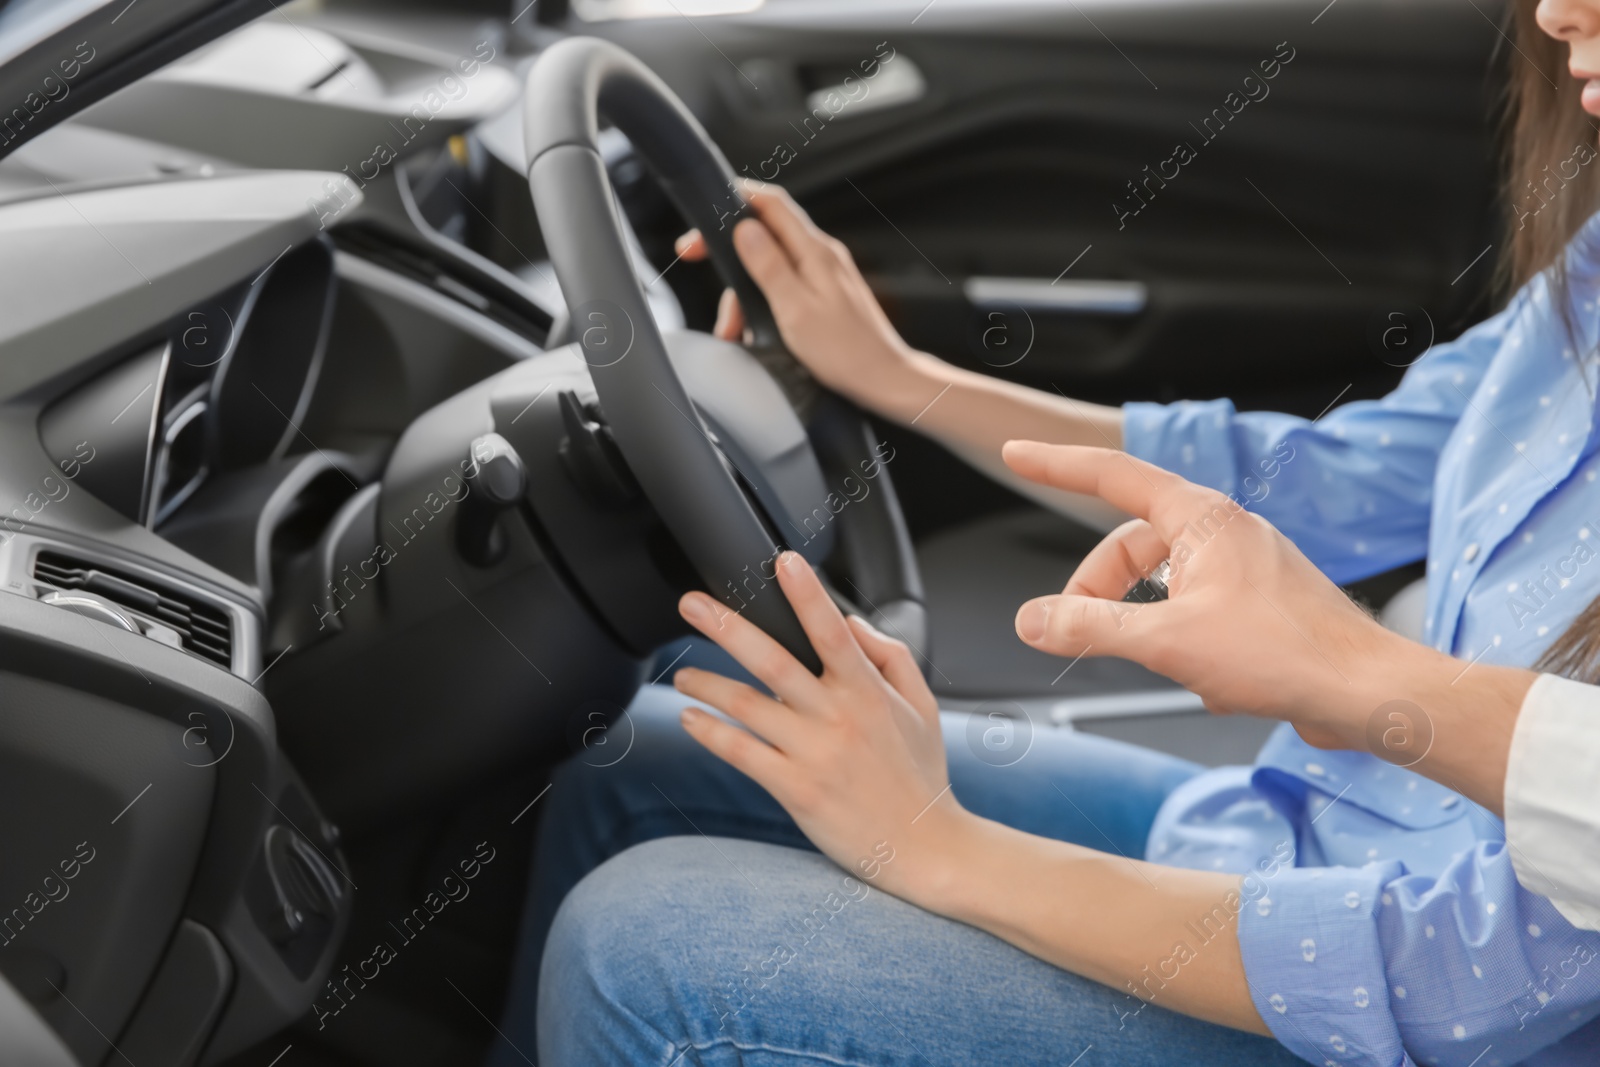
(696, 607)
(1034, 620)
(861, 620)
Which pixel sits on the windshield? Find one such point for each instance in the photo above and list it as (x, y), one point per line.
(24, 23)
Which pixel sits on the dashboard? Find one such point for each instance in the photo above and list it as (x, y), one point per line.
(116, 413)
(193, 428)
(222, 390)
(219, 391)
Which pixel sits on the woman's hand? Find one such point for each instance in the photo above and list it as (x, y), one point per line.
(855, 756)
(833, 325)
(1250, 624)
(827, 314)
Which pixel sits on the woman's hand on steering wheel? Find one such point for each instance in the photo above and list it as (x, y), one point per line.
(824, 308)
(856, 756)
(1250, 624)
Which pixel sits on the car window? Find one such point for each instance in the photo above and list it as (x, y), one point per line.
(24, 23)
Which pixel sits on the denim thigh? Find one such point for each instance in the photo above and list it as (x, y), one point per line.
(649, 780)
(699, 951)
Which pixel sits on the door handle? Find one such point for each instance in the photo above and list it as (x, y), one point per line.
(898, 82)
(1078, 296)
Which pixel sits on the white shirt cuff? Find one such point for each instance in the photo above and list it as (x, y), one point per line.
(1553, 797)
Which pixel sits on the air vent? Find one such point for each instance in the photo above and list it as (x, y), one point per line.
(205, 628)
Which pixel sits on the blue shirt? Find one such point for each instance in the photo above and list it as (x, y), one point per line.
(1381, 922)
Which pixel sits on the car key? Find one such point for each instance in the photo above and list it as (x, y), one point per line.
(1152, 587)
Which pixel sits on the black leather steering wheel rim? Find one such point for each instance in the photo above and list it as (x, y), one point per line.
(686, 477)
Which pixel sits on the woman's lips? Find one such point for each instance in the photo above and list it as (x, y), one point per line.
(1591, 96)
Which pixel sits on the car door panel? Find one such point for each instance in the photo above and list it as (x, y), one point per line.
(1352, 183)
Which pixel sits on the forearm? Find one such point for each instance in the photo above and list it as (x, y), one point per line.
(836, 327)
(1165, 935)
(1468, 714)
(973, 415)
(978, 409)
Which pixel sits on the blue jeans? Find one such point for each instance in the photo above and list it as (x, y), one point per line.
(727, 940)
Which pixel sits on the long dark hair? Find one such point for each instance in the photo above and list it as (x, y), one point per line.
(1543, 125)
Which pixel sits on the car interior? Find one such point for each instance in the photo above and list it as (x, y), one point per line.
(333, 521)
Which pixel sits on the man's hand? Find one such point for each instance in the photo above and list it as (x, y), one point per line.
(827, 314)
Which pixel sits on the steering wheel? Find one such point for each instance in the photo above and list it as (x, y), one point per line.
(733, 490)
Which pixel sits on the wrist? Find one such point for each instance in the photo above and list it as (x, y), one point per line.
(948, 856)
(1389, 671)
(902, 385)
(1448, 719)
(1472, 716)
